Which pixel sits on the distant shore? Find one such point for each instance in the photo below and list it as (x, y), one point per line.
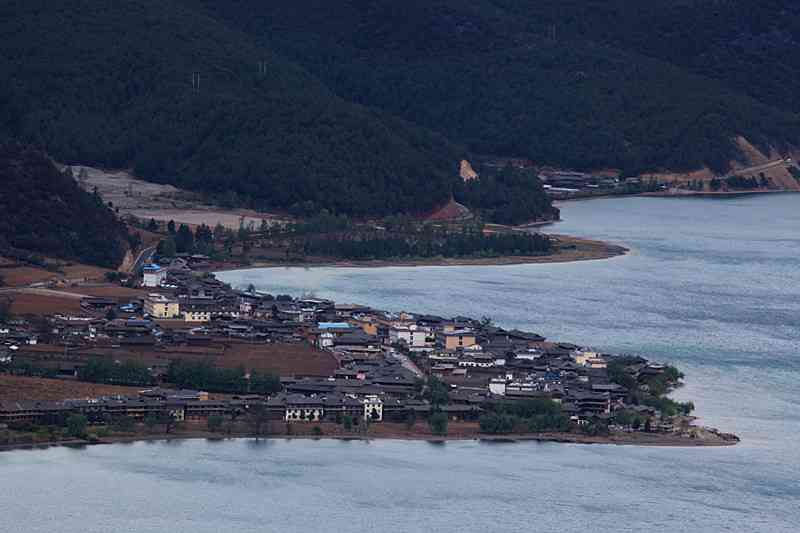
(714, 194)
(572, 249)
(668, 194)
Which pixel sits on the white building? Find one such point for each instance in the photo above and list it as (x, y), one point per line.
(159, 306)
(413, 336)
(153, 275)
(325, 340)
(498, 386)
(373, 408)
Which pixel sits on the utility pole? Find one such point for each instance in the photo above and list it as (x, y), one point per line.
(196, 82)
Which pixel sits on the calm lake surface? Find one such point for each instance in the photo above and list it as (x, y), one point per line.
(712, 286)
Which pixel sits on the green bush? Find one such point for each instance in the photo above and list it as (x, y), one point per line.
(76, 426)
(215, 422)
(438, 423)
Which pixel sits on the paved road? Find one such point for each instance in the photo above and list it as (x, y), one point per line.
(142, 258)
(407, 363)
(44, 292)
(762, 167)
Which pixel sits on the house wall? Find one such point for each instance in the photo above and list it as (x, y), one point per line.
(300, 414)
(454, 342)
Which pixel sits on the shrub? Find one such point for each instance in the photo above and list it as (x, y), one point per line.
(438, 423)
(76, 426)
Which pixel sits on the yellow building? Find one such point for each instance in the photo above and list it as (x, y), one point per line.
(367, 324)
(458, 339)
(159, 306)
(589, 359)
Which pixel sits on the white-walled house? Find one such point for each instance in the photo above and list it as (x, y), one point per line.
(413, 336)
(153, 275)
(373, 408)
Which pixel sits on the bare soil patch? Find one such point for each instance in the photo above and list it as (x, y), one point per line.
(43, 304)
(298, 359)
(27, 388)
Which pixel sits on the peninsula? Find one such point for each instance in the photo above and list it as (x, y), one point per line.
(185, 355)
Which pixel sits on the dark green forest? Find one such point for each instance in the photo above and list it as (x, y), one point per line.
(45, 212)
(379, 246)
(575, 83)
(364, 107)
(112, 84)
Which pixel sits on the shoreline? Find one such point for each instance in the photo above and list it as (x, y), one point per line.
(714, 194)
(586, 250)
(616, 439)
(681, 194)
(667, 194)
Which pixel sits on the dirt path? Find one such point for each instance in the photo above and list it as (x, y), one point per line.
(44, 292)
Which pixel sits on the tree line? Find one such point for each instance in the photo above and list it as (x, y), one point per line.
(204, 376)
(527, 416)
(382, 246)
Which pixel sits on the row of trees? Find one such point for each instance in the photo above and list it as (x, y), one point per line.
(380, 246)
(534, 416)
(204, 376)
(204, 240)
(511, 196)
(101, 370)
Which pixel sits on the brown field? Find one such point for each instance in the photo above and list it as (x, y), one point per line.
(25, 275)
(25, 388)
(43, 304)
(123, 294)
(16, 275)
(281, 359)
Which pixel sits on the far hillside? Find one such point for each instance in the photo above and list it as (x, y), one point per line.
(46, 213)
(583, 84)
(182, 98)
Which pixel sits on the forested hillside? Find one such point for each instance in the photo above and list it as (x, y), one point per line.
(111, 83)
(365, 107)
(585, 84)
(750, 45)
(45, 212)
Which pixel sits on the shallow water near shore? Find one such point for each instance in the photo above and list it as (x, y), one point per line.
(712, 285)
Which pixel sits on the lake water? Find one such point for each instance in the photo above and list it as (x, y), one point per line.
(712, 286)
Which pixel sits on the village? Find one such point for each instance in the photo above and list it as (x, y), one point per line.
(194, 354)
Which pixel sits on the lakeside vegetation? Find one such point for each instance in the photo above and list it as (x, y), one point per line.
(326, 235)
(528, 416)
(650, 391)
(464, 244)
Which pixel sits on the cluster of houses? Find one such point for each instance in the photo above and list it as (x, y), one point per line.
(383, 358)
(565, 184)
(194, 406)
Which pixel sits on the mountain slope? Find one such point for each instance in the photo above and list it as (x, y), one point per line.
(570, 83)
(45, 212)
(113, 84)
(749, 45)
